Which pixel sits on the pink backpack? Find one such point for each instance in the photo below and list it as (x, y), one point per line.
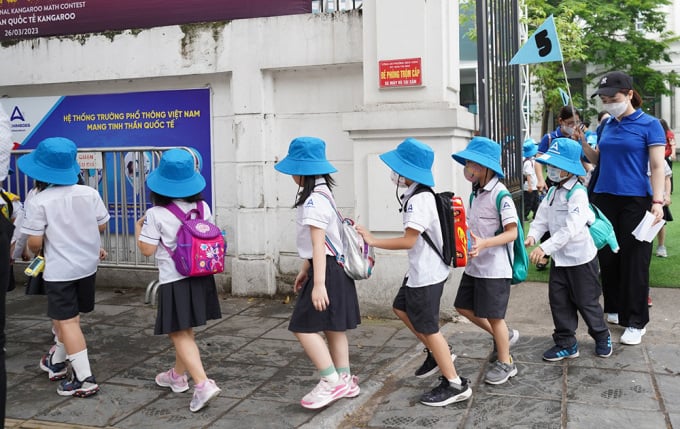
(200, 247)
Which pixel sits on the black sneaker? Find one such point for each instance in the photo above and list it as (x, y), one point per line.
(557, 353)
(603, 347)
(447, 393)
(75, 387)
(430, 366)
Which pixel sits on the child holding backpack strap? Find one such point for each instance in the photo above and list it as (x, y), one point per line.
(183, 302)
(417, 301)
(484, 289)
(328, 299)
(573, 285)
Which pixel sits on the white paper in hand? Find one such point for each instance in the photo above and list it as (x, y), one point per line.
(646, 229)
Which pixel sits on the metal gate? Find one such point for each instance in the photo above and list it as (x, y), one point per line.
(119, 174)
(499, 86)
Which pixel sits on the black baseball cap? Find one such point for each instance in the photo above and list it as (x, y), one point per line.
(613, 82)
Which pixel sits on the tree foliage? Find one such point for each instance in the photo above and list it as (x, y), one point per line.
(596, 37)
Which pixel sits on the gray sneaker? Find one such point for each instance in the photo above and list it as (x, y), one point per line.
(513, 336)
(500, 372)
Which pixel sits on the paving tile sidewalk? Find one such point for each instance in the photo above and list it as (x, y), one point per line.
(263, 372)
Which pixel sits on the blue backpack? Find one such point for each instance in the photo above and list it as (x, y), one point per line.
(520, 262)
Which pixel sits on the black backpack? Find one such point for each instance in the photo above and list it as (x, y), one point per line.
(445, 211)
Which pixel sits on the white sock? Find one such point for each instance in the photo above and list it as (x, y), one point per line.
(80, 364)
(332, 378)
(456, 380)
(59, 354)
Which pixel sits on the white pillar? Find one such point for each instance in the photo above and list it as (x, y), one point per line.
(406, 30)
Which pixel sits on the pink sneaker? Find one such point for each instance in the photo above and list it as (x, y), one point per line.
(353, 385)
(170, 379)
(203, 395)
(323, 394)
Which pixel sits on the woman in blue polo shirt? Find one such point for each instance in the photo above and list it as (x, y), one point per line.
(623, 192)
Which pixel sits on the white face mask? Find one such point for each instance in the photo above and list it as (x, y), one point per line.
(616, 109)
(567, 131)
(398, 180)
(554, 173)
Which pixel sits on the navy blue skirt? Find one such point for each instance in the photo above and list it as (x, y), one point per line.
(341, 314)
(186, 303)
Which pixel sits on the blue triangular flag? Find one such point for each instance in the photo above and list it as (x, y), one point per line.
(565, 97)
(543, 46)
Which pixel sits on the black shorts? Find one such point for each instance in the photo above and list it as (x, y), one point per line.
(421, 305)
(487, 298)
(66, 300)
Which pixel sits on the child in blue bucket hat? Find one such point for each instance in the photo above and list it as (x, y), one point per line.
(484, 289)
(327, 298)
(418, 300)
(64, 220)
(184, 303)
(574, 284)
(530, 185)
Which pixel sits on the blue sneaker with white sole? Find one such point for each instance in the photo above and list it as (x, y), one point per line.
(557, 353)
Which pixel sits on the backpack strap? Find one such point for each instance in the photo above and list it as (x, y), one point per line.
(502, 194)
(419, 189)
(174, 209)
(183, 217)
(550, 193)
(577, 185)
(329, 245)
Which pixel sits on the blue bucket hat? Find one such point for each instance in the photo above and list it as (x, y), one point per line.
(413, 160)
(176, 175)
(306, 157)
(52, 161)
(484, 152)
(564, 154)
(198, 159)
(529, 148)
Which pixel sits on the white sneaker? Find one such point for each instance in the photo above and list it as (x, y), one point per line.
(353, 385)
(661, 252)
(324, 393)
(203, 395)
(613, 318)
(632, 336)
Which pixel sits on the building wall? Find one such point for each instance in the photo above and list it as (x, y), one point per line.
(273, 79)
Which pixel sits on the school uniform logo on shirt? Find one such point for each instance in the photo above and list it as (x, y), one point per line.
(576, 210)
(409, 208)
(309, 203)
(506, 205)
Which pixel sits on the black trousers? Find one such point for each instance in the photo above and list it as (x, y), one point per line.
(530, 203)
(625, 275)
(572, 289)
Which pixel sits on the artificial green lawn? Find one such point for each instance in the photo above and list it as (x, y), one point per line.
(663, 272)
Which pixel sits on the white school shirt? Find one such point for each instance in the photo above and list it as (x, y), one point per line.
(528, 169)
(484, 221)
(160, 224)
(317, 211)
(570, 243)
(68, 217)
(425, 267)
